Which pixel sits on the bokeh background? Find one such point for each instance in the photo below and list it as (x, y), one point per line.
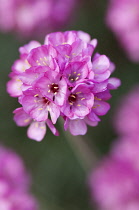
(59, 180)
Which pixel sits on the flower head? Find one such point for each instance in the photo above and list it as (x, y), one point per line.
(60, 78)
(126, 119)
(123, 19)
(25, 19)
(14, 183)
(125, 149)
(114, 186)
(114, 183)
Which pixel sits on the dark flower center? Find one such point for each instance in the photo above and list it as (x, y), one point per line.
(72, 99)
(46, 101)
(74, 76)
(54, 88)
(70, 88)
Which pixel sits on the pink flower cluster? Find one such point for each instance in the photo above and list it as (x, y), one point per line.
(31, 18)
(60, 78)
(123, 19)
(114, 184)
(126, 120)
(14, 183)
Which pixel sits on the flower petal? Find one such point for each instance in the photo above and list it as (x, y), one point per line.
(36, 131)
(77, 127)
(21, 117)
(52, 128)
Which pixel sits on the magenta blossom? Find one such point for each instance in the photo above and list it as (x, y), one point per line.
(14, 183)
(60, 78)
(126, 150)
(114, 185)
(25, 19)
(123, 19)
(79, 102)
(126, 119)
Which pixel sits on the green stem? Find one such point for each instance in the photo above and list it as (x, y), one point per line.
(80, 145)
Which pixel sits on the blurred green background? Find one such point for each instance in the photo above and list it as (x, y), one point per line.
(59, 181)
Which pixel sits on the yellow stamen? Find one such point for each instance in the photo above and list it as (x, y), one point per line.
(26, 61)
(27, 120)
(98, 99)
(94, 107)
(44, 63)
(36, 101)
(18, 80)
(40, 109)
(67, 56)
(42, 127)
